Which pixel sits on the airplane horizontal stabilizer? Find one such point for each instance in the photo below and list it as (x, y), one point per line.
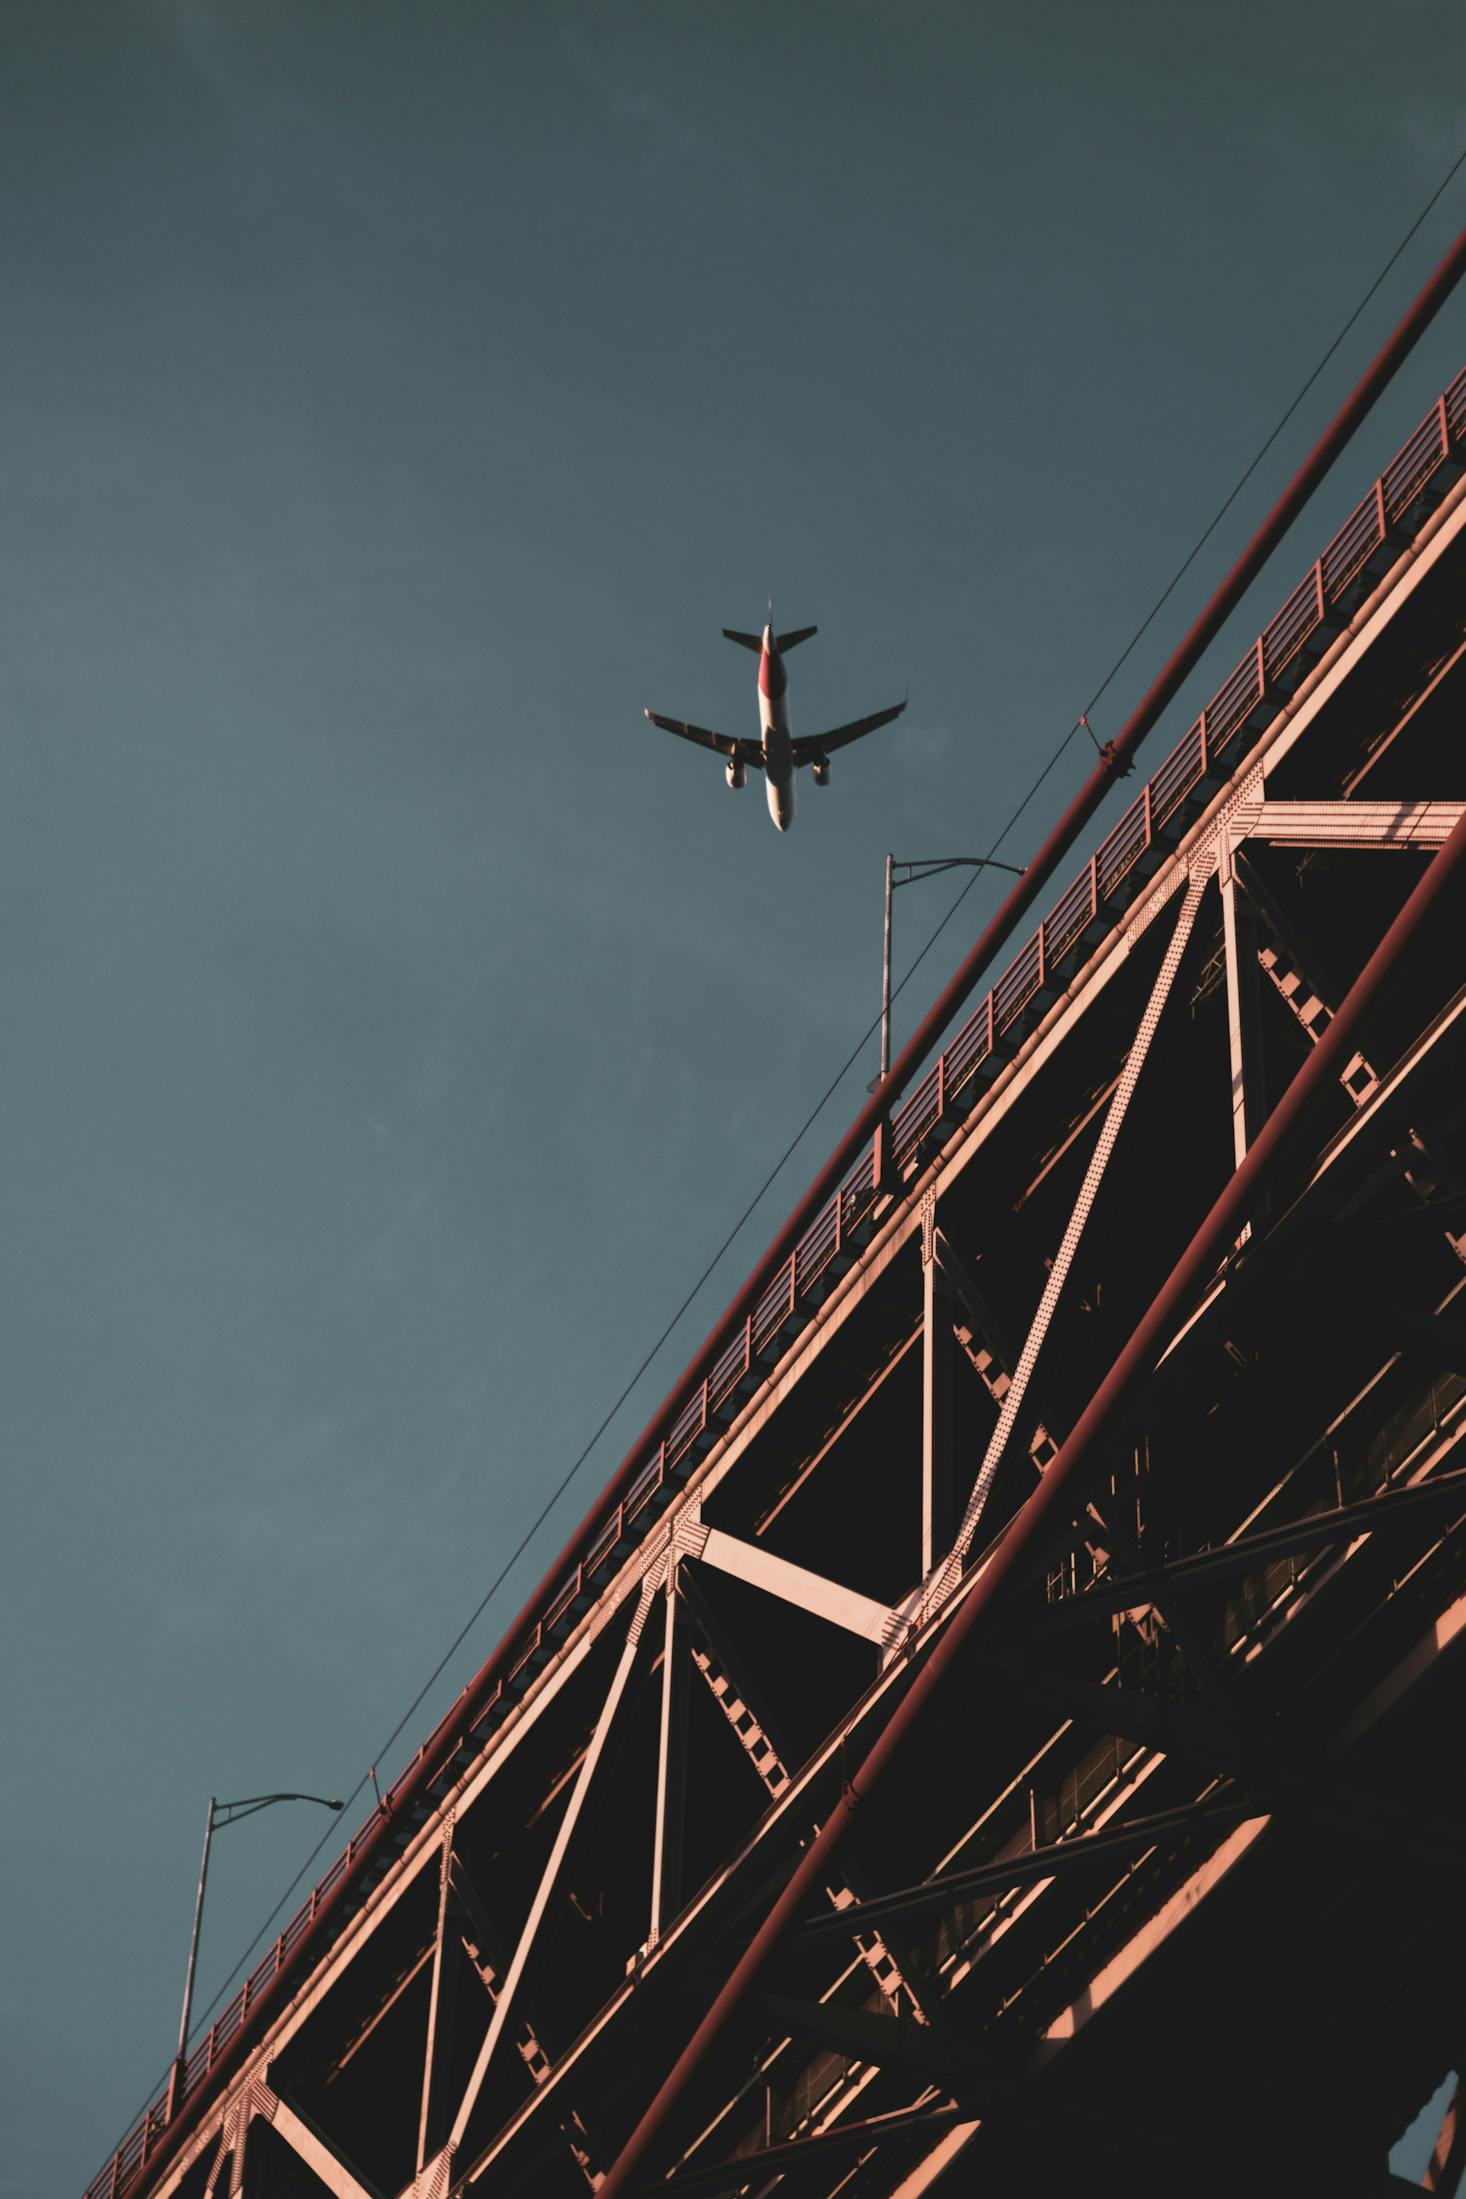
(744, 641)
(792, 641)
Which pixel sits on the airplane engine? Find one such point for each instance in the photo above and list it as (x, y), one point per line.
(820, 769)
(736, 773)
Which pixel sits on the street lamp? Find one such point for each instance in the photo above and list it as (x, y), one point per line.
(930, 866)
(220, 1813)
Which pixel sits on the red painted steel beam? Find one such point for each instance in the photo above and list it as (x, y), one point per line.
(1115, 762)
(1099, 1421)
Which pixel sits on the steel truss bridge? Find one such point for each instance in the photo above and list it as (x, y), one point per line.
(1170, 1885)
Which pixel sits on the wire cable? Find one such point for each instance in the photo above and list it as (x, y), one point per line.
(1081, 723)
(1205, 536)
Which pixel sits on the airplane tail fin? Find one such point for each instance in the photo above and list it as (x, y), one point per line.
(792, 641)
(745, 641)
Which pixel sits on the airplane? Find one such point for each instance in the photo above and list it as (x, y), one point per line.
(776, 753)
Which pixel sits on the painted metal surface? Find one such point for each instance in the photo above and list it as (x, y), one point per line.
(1137, 1360)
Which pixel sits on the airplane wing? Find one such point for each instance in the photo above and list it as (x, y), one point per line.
(824, 744)
(723, 744)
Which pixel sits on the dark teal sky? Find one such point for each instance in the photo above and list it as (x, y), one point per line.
(395, 400)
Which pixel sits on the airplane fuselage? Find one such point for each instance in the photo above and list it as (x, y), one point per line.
(773, 713)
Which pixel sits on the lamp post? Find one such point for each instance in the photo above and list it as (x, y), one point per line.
(930, 866)
(220, 1813)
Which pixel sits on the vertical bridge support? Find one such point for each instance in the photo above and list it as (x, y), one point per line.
(1244, 1036)
(671, 1762)
(939, 1507)
(432, 2124)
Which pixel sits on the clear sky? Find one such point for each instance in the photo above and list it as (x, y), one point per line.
(395, 400)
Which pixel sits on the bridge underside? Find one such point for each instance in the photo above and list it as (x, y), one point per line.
(1171, 1888)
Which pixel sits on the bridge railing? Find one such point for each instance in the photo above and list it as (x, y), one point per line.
(1414, 481)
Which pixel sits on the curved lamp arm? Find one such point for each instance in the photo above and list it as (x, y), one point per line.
(220, 1813)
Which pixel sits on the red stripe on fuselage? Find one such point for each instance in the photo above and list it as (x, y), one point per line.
(772, 678)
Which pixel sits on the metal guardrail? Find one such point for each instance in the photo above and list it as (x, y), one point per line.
(1412, 484)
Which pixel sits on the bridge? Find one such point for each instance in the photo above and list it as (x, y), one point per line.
(1092, 1460)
